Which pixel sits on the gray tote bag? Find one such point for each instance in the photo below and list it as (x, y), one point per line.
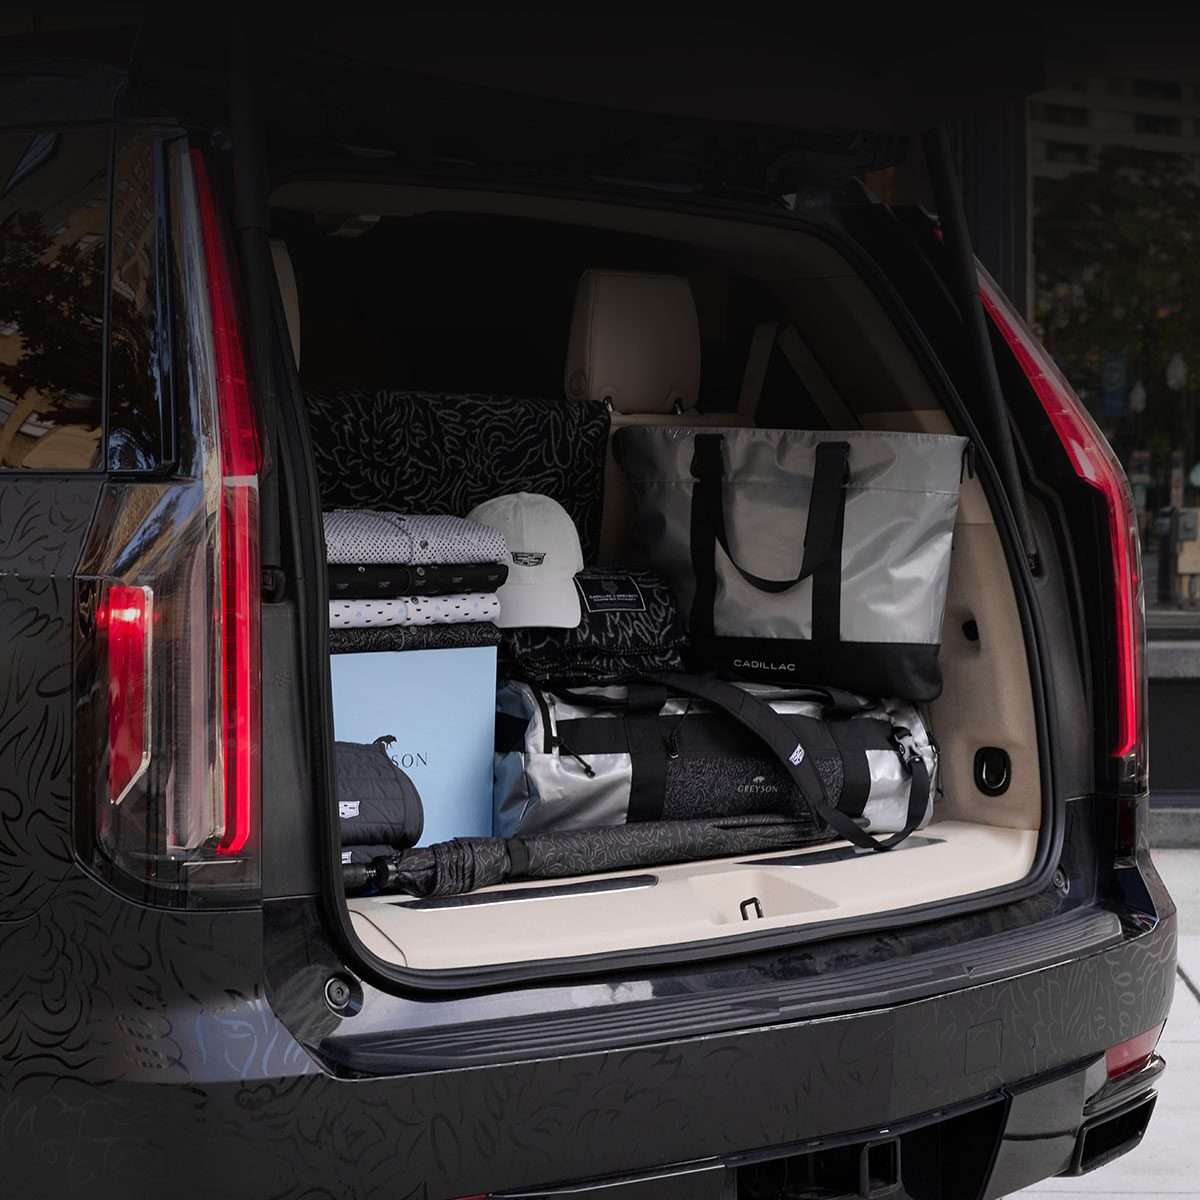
(801, 556)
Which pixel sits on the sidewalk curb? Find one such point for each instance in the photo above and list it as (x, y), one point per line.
(1174, 828)
(1173, 658)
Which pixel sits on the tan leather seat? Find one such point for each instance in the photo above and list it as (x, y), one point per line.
(635, 346)
(289, 293)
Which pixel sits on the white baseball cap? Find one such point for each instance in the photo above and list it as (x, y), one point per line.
(544, 554)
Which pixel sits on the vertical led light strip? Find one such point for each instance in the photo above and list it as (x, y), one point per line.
(1094, 462)
(240, 459)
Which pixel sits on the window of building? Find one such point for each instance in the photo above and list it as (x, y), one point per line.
(1112, 118)
(1066, 152)
(1156, 124)
(1059, 114)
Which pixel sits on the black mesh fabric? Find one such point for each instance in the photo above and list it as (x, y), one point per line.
(832, 772)
(696, 785)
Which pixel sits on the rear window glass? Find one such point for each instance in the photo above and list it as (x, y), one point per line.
(53, 249)
(137, 362)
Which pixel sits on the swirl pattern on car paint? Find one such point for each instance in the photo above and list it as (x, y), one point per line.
(99, 989)
(427, 452)
(168, 1000)
(42, 525)
(141, 1050)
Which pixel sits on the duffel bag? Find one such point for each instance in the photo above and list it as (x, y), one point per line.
(686, 747)
(378, 805)
(798, 555)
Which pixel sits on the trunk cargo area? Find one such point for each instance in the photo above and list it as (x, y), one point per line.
(689, 902)
(427, 289)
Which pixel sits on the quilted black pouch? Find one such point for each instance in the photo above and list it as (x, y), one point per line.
(377, 802)
(630, 627)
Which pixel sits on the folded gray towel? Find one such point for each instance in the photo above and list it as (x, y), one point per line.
(364, 536)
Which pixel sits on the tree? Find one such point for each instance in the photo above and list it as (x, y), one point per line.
(53, 295)
(1117, 270)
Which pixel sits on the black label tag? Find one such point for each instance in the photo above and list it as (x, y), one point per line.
(610, 593)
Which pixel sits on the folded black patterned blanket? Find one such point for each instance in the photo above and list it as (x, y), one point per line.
(413, 637)
(428, 452)
(630, 627)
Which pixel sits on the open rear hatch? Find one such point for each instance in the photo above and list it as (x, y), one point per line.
(979, 846)
(764, 113)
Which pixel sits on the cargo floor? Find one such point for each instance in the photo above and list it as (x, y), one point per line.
(689, 902)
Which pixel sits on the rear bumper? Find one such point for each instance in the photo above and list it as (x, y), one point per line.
(991, 1147)
(190, 1082)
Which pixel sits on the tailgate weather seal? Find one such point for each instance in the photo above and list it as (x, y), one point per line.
(945, 969)
(388, 975)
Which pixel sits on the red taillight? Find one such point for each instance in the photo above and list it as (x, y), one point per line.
(124, 623)
(1094, 462)
(241, 581)
(240, 584)
(1131, 1055)
(169, 659)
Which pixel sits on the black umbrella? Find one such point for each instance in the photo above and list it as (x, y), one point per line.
(464, 864)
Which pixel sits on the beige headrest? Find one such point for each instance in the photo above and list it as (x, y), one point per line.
(635, 342)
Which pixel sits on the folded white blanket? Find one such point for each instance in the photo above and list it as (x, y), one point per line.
(414, 610)
(365, 536)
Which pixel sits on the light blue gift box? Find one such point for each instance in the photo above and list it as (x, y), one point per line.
(440, 705)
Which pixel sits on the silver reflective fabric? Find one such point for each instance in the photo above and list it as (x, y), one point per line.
(536, 790)
(901, 502)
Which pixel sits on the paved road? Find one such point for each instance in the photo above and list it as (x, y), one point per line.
(1167, 1163)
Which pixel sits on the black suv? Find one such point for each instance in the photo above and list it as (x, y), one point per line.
(192, 248)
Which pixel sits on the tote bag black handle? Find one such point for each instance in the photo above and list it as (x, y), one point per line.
(825, 510)
(833, 701)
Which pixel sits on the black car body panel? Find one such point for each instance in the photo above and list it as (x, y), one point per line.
(43, 523)
(147, 1049)
(144, 1048)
